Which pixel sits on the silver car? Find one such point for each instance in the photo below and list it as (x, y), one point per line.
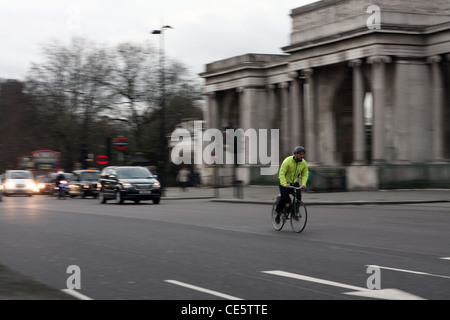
(18, 182)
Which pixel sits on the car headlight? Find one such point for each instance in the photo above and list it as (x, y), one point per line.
(157, 185)
(10, 185)
(31, 186)
(127, 185)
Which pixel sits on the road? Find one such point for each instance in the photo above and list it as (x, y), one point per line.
(199, 250)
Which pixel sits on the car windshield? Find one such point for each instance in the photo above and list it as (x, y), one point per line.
(90, 176)
(134, 173)
(20, 175)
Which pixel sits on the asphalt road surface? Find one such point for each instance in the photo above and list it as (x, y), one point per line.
(199, 250)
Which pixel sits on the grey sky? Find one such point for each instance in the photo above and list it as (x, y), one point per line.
(204, 30)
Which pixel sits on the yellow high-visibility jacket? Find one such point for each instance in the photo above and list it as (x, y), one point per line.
(291, 170)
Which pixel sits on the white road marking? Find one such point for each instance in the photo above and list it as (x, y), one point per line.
(446, 258)
(386, 294)
(411, 271)
(211, 292)
(76, 294)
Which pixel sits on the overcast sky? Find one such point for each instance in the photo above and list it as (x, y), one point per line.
(204, 30)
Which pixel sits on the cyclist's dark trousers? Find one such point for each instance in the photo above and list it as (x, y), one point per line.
(285, 192)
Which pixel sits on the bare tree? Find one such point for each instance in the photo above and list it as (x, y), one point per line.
(81, 86)
(68, 92)
(133, 83)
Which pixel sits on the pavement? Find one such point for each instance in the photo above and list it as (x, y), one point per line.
(15, 286)
(267, 195)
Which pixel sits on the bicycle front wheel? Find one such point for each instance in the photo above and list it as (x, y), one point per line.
(277, 224)
(299, 217)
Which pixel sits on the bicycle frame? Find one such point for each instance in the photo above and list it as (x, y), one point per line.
(298, 217)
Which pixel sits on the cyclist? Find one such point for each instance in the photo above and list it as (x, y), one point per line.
(60, 176)
(292, 169)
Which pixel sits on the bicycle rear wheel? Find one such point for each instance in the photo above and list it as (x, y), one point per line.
(299, 217)
(278, 225)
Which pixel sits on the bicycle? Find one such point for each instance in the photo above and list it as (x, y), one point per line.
(297, 214)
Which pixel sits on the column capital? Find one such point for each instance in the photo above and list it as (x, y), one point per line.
(379, 59)
(240, 90)
(283, 85)
(355, 63)
(293, 75)
(271, 87)
(306, 73)
(434, 59)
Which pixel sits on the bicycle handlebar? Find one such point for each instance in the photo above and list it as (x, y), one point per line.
(294, 187)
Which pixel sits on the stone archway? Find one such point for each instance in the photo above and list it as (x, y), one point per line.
(344, 117)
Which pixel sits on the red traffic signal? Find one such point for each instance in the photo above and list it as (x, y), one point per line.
(102, 160)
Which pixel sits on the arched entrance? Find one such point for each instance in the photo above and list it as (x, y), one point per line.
(343, 114)
(344, 118)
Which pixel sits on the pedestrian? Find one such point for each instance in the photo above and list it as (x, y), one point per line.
(183, 178)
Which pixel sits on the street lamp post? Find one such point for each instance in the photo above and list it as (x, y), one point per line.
(162, 101)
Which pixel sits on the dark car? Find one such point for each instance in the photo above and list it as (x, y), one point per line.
(84, 183)
(128, 183)
(44, 184)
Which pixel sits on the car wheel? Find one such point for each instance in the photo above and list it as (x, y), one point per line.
(101, 197)
(156, 200)
(119, 199)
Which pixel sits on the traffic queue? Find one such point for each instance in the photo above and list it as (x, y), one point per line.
(116, 183)
(81, 183)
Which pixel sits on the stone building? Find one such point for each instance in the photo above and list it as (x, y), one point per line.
(364, 85)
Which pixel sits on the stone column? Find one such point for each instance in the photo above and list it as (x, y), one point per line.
(359, 139)
(244, 108)
(272, 110)
(437, 109)
(379, 101)
(247, 120)
(212, 110)
(310, 119)
(296, 110)
(285, 131)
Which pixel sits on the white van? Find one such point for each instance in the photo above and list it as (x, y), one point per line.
(18, 182)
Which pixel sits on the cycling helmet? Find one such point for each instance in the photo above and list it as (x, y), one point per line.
(299, 149)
